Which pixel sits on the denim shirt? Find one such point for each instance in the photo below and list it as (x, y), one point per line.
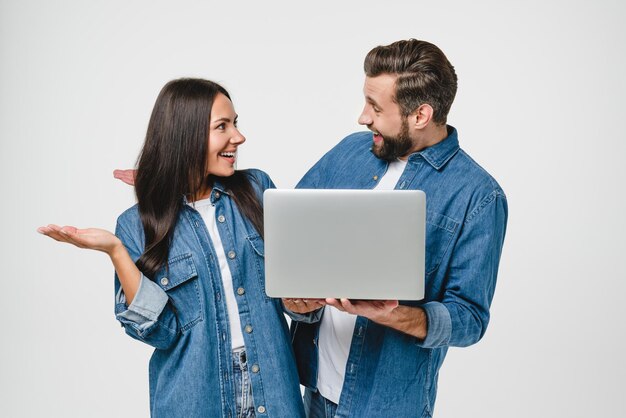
(389, 373)
(191, 369)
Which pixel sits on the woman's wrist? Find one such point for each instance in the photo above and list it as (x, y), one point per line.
(117, 251)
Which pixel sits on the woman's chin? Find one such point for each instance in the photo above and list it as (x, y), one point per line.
(222, 172)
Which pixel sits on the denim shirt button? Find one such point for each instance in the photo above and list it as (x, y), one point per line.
(248, 329)
(241, 291)
(375, 178)
(255, 368)
(217, 195)
(164, 281)
(231, 254)
(261, 409)
(221, 218)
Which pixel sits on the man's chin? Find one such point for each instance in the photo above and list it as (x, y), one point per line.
(380, 152)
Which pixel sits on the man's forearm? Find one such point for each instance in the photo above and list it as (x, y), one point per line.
(407, 319)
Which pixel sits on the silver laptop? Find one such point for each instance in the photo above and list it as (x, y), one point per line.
(357, 244)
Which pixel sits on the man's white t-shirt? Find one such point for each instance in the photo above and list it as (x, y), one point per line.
(337, 327)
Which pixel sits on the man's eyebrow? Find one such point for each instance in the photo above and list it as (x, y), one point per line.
(372, 101)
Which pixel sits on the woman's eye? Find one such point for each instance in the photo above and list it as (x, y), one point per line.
(221, 126)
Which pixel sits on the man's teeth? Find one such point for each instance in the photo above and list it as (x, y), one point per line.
(227, 154)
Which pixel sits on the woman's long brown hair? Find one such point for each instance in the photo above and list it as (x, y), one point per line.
(173, 164)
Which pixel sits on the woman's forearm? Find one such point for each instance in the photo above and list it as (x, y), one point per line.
(127, 272)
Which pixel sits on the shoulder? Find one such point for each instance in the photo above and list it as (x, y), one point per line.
(474, 188)
(352, 146)
(258, 177)
(259, 180)
(129, 219)
(477, 176)
(356, 141)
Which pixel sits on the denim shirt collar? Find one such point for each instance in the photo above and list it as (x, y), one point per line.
(217, 191)
(440, 153)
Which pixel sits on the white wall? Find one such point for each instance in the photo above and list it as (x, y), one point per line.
(540, 103)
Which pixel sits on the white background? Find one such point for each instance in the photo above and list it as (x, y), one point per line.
(540, 106)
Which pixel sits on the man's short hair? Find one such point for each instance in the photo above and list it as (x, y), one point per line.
(425, 76)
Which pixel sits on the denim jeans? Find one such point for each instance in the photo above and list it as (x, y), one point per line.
(317, 406)
(243, 388)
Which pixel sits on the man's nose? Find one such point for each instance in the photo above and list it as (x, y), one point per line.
(365, 118)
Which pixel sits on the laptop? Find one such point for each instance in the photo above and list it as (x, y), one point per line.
(356, 244)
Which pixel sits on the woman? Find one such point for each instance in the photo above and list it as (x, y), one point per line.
(189, 271)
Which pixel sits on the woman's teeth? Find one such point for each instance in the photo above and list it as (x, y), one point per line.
(227, 154)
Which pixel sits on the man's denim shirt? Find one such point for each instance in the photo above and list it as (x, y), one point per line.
(389, 373)
(182, 313)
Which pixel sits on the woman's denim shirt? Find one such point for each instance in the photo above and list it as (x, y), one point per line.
(191, 371)
(389, 373)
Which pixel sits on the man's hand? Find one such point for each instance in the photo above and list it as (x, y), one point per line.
(127, 176)
(376, 310)
(303, 306)
(410, 320)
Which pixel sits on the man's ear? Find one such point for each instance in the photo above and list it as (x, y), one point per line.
(421, 117)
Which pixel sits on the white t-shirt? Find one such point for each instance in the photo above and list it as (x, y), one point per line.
(207, 211)
(337, 327)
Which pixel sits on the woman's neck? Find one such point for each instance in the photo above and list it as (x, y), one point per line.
(201, 195)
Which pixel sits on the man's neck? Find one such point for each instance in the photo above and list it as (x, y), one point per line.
(428, 137)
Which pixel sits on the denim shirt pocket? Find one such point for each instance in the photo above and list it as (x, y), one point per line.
(180, 281)
(439, 232)
(258, 247)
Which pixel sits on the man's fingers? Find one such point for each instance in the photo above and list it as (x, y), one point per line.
(335, 303)
(348, 306)
(391, 304)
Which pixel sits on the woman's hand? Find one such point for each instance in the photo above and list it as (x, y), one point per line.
(91, 238)
(127, 176)
(303, 306)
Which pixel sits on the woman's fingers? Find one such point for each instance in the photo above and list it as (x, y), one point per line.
(53, 231)
(303, 305)
(127, 176)
(67, 234)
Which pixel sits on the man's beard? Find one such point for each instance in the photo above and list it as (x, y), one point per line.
(392, 148)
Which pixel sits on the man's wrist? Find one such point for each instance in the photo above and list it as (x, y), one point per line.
(407, 319)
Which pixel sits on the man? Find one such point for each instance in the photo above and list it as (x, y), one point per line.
(382, 358)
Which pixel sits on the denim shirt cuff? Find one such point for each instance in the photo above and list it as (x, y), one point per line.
(145, 308)
(439, 325)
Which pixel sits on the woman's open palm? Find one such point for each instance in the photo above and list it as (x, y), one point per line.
(91, 238)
